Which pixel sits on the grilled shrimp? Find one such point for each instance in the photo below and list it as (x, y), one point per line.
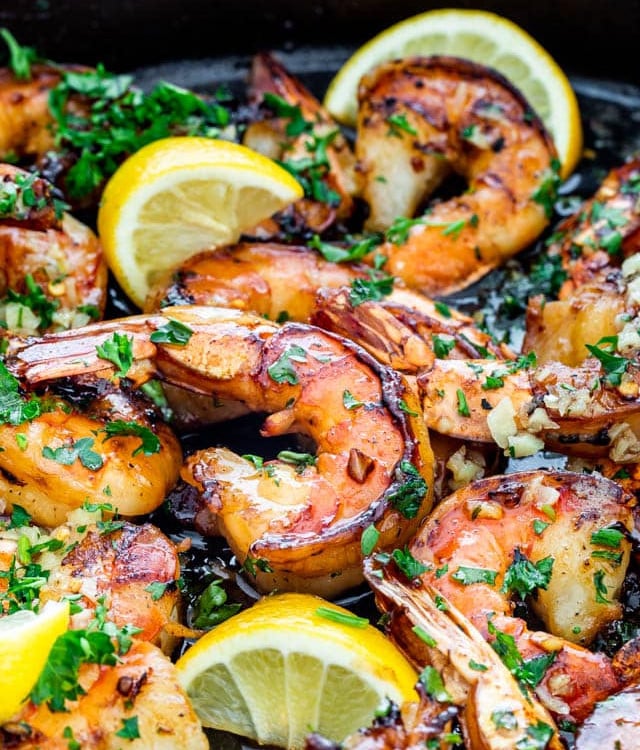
(105, 562)
(434, 632)
(142, 686)
(585, 410)
(317, 151)
(294, 283)
(563, 536)
(25, 118)
(302, 516)
(54, 462)
(53, 274)
(421, 118)
(591, 245)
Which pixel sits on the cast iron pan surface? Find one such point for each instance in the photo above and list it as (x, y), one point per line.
(611, 119)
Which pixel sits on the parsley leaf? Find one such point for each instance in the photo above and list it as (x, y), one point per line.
(344, 618)
(150, 443)
(407, 499)
(442, 346)
(369, 539)
(528, 672)
(613, 365)
(523, 577)
(467, 576)
(130, 729)
(212, 608)
(399, 124)
(351, 254)
(408, 564)
(173, 332)
(81, 450)
(20, 57)
(372, 289)
(36, 300)
(547, 192)
(607, 537)
(119, 351)
(282, 371)
(14, 409)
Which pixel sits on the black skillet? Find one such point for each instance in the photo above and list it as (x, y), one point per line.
(201, 45)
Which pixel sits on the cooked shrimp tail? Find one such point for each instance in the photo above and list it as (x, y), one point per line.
(434, 633)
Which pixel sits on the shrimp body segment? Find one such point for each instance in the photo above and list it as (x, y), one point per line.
(569, 529)
(372, 464)
(143, 684)
(38, 472)
(590, 246)
(420, 118)
(25, 119)
(41, 246)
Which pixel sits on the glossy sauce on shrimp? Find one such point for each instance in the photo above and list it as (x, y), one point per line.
(460, 116)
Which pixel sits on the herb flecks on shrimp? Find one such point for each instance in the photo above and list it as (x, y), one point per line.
(463, 117)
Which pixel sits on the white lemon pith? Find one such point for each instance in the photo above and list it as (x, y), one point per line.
(26, 639)
(481, 37)
(178, 196)
(279, 670)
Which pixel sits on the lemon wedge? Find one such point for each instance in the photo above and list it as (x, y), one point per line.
(178, 196)
(484, 38)
(286, 667)
(26, 638)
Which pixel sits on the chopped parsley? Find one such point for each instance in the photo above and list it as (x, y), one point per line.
(539, 526)
(299, 460)
(211, 608)
(424, 636)
(547, 192)
(129, 729)
(81, 450)
(119, 120)
(537, 738)
(157, 589)
(402, 405)
(350, 401)
(408, 564)
(373, 289)
(528, 672)
(351, 254)
(14, 409)
(19, 517)
(503, 719)
(149, 443)
(173, 332)
(398, 125)
(119, 351)
(468, 576)
(20, 57)
(613, 365)
(442, 308)
(407, 499)
(282, 370)
(600, 587)
(100, 643)
(523, 577)
(607, 537)
(477, 667)
(442, 346)
(463, 406)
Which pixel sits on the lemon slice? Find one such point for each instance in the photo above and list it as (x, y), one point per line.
(280, 670)
(178, 196)
(26, 639)
(484, 38)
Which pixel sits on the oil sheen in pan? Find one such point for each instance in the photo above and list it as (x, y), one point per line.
(611, 120)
